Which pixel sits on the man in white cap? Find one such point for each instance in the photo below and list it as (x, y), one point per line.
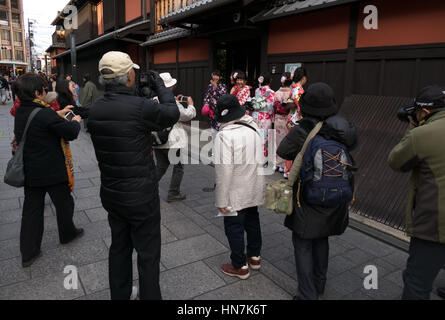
(177, 140)
(120, 124)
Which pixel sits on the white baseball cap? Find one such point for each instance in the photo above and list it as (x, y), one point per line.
(115, 63)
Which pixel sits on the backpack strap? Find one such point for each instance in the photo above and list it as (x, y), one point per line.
(299, 159)
(247, 125)
(31, 116)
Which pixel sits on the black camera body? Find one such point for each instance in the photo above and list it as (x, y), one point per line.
(404, 113)
(144, 86)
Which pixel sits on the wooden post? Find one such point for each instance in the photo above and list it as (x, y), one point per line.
(350, 55)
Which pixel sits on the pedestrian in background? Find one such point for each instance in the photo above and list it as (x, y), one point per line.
(88, 94)
(312, 225)
(421, 152)
(240, 186)
(4, 89)
(65, 97)
(120, 125)
(76, 87)
(12, 79)
(177, 140)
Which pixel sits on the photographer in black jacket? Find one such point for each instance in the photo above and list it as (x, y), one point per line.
(120, 124)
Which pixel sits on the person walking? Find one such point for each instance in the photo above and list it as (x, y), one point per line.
(4, 88)
(48, 166)
(12, 79)
(177, 140)
(281, 109)
(240, 184)
(421, 152)
(215, 90)
(312, 224)
(120, 124)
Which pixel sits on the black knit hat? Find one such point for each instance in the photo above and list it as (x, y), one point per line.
(228, 109)
(318, 101)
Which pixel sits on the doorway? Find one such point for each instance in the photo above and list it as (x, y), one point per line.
(242, 55)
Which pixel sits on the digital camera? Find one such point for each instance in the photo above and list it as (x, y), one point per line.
(404, 113)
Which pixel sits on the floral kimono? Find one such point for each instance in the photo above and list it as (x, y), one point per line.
(292, 119)
(264, 118)
(242, 94)
(280, 123)
(211, 97)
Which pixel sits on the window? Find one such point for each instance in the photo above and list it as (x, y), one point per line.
(16, 19)
(5, 35)
(3, 3)
(19, 55)
(6, 54)
(15, 4)
(4, 18)
(17, 37)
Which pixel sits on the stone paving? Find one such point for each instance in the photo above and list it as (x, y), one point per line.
(194, 246)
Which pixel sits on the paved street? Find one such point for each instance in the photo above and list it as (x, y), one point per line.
(194, 246)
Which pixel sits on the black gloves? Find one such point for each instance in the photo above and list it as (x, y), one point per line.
(156, 82)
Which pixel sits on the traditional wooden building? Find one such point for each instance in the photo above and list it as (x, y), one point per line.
(376, 55)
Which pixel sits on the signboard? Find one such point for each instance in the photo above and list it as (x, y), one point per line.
(291, 67)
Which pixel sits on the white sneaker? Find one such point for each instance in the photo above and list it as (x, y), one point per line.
(286, 176)
(281, 170)
(134, 293)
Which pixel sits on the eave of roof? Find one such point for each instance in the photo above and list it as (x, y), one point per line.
(193, 9)
(117, 34)
(167, 35)
(297, 7)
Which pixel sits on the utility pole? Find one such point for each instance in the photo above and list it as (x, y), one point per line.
(31, 44)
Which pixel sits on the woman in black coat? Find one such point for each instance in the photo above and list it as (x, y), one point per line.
(45, 167)
(312, 225)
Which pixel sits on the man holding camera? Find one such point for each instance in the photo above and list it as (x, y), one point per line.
(120, 124)
(421, 151)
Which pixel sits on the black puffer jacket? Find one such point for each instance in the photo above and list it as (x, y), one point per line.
(43, 157)
(120, 124)
(313, 222)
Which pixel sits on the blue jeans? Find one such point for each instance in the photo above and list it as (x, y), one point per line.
(248, 220)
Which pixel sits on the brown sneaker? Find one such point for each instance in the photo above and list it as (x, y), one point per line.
(242, 273)
(254, 262)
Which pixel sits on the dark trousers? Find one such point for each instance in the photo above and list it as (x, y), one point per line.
(424, 263)
(31, 232)
(137, 228)
(248, 220)
(162, 164)
(311, 260)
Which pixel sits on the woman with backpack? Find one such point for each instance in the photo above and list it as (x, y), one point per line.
(263, 113)
(281, 112)
(320, 211)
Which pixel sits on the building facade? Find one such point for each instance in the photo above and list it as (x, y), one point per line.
(12, 37)
(376, 55)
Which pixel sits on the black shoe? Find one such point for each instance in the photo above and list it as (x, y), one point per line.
(79, 233)
(27, 264)
(441, 292)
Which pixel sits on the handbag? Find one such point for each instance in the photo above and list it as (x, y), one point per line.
(279, 194)
(15, 173)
